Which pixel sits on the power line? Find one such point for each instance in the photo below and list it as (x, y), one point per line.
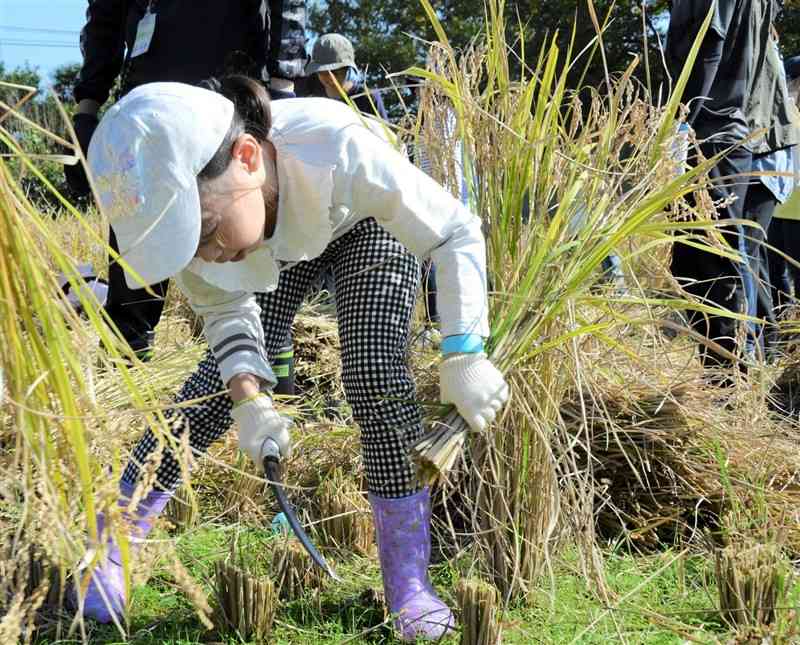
(38, 30)
(31, 43)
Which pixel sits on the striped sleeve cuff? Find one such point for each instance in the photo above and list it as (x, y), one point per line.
(241, 354)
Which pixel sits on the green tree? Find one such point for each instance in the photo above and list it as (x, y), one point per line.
(64, 79)
(390, 35)
(22, 75)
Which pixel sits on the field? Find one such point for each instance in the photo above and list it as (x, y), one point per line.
(623, 496)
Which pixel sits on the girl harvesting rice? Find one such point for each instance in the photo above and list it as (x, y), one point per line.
(234, 197)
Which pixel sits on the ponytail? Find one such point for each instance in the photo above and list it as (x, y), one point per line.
(251, 115)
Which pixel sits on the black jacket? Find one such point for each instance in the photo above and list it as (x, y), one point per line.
(193, 40)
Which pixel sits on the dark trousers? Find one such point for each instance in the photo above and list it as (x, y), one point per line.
(429, 286)
(759, 207)
(784, 277)
(135, 312)
(719, 281)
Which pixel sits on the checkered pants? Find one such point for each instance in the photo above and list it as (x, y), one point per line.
(376, 282)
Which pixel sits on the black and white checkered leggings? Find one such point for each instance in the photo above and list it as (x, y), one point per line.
(376, 281)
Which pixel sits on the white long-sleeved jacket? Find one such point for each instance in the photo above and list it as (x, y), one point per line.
(334, 170)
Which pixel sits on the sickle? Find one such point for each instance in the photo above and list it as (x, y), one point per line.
(272, 470)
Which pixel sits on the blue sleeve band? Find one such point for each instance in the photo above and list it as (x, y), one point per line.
(462, 344)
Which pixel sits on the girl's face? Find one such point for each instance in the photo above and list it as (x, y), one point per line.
(233, 209)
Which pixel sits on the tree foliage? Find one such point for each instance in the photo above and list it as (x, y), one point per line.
(391, 35)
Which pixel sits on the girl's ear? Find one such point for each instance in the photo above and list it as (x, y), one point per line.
(248, 151)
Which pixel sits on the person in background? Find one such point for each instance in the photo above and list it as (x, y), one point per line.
(333, 57)
(127, 44)
(770, 103)
(784, 232)
(729, 69)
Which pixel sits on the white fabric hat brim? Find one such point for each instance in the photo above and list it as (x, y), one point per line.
(167, 246)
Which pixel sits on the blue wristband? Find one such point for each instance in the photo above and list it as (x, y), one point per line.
(462, 344)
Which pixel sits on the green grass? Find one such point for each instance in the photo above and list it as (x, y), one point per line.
(658, 600)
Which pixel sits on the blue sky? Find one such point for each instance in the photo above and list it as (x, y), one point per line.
(43, 33)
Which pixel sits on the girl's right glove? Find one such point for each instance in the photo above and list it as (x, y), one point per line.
(258, 421)
(474, 386)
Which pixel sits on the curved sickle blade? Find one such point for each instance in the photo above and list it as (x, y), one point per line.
(272, 471)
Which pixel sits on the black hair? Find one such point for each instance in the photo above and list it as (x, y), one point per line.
(251, 115)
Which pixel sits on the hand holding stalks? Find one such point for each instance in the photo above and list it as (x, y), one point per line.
(478, 391)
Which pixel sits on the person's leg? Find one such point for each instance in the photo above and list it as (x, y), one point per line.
(205, 422)
(758, 208)
(209, 420)
(283, 362)
(791, 246)
(134, 311)
(429, 286)
(779, 267)
(376, 287)
(283, 366)
(714, 279)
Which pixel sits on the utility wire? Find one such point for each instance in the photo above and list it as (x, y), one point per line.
(38, 30)
(29, 43)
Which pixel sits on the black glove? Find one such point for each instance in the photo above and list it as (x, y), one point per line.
(85, 125)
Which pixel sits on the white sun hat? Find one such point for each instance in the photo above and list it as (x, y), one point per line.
(144, 158)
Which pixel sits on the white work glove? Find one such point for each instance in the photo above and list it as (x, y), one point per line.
(474, 386)
(258, 421)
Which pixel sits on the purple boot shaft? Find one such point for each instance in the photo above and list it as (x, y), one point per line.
(403, 533)
(105, 596)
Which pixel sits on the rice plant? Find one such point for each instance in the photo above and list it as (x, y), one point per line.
(562, 178)
(61, 446)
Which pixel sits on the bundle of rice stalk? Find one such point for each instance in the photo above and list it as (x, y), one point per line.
(182, 510)
(561, 182)
(480, 607)
(49, 388)
(346, 520)
(293, 570)
(754, 580)
(247, 602)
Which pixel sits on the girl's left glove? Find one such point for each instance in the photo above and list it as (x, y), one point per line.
(474, 386)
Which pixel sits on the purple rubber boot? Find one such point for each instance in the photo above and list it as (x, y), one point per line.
(403, 533)
(105, 596)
